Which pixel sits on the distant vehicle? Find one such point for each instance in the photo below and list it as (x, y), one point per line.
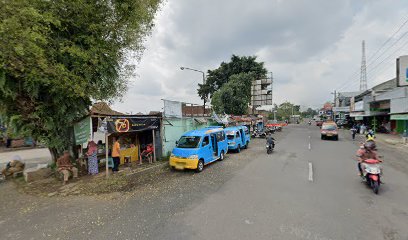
(329, 130)
(237, 137)
(341, 123)
(197, 148)
(319, 123)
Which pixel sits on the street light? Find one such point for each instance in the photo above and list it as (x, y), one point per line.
(195, 70)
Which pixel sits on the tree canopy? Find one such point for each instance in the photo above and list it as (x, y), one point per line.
(234, 96)
(218, 77)
(57, 56)
(285, 110)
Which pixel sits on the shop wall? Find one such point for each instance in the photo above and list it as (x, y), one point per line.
(173, 128)
(402, 126)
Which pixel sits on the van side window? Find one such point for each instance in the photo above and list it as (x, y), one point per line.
(206, 141)
(246, 131)
(237, 135)
(220, 136)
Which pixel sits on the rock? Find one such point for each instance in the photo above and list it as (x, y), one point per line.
(34, 174)
(52, 194)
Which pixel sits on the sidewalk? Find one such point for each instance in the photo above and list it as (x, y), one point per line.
(395, 141)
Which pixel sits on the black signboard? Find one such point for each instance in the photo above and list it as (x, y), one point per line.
(131, 124)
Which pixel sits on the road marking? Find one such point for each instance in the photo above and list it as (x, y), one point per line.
(310, 172)
(310, 145)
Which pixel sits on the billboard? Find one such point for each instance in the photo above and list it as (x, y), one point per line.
(402, 71)
(125, 124)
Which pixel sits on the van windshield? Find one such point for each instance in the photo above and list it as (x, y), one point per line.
(329, 127)
(230, 137)
(188, 142)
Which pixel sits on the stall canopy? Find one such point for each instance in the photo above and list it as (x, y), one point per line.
(124, 124)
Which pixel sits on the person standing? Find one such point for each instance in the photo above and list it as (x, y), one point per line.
(116, 155)
(353, 132)
(92, 158)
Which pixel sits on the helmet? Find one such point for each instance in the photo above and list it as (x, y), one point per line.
(369, 145)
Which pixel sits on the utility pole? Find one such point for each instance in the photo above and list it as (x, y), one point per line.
(334, 104)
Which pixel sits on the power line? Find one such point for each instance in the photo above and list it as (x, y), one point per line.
(370, 61)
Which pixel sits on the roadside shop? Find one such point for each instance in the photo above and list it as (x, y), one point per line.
(134, 132)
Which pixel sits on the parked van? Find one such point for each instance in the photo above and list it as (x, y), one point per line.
(238, 137)
(197, 148)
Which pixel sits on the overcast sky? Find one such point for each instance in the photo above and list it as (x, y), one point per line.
(312, 46)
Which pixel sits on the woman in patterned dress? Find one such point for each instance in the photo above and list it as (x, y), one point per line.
(92, 158)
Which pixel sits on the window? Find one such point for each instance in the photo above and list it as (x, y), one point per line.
(237, 135)
(206, 141)
(220, 136)
(246, 131)
(188, 142)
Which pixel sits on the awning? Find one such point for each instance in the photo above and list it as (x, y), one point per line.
(358, 114)
(399, 117)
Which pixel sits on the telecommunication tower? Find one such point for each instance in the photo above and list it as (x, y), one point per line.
(363, 73)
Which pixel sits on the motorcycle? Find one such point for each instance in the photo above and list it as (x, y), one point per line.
(371, 173)
(270, 147)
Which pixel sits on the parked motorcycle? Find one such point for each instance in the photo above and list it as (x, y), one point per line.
(371, 173)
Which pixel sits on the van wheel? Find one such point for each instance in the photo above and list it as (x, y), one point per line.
(246, 145)
(222, 155)
(200, 166)
(239, 149)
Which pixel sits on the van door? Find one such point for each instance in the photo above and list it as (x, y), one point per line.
(206, 149)
(214, 143)
(238, 139)
(241, 131)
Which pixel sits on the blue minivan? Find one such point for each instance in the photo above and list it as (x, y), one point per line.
(238, 137)
(197, 148)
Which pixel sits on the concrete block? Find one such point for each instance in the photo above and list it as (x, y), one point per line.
(34, 174)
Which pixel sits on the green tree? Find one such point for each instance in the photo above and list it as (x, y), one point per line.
(285, 110)
(218, 77)
(234, 96)
(58, 56)
(309, 113)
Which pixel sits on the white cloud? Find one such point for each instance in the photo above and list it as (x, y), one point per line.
(311, 46)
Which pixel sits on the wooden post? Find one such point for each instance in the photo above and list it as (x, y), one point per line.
(107, 154)
(154, 147)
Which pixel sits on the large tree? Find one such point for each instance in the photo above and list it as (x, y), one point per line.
(234, 96)
(57, 56)
(285, 110)
(218, 77)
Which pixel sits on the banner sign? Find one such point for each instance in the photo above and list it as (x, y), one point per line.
(82, 131)
(131, 124)
(402, 71)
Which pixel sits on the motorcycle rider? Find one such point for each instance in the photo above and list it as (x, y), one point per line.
(366, 151)
(370, 135)
(271, 141)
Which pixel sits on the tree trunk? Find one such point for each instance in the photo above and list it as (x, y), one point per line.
(54, 154)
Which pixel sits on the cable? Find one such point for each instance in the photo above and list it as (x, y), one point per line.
(370, 61)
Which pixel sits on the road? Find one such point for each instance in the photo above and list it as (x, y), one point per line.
(250, 195)
(30, 156)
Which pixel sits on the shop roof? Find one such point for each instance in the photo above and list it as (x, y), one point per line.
(103, 109)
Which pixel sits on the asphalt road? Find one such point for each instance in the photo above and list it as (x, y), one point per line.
(250, 195)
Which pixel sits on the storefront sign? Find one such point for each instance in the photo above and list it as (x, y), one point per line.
(131, 124)
(399, 117)
(82, 131)
(341, 109)
(402, 71)
(359, 106)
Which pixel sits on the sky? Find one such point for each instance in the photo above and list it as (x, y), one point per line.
(313, 47)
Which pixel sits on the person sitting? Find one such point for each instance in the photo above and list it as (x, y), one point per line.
(14, 166)
(147, 153)
(64, 166)
(365, 152)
